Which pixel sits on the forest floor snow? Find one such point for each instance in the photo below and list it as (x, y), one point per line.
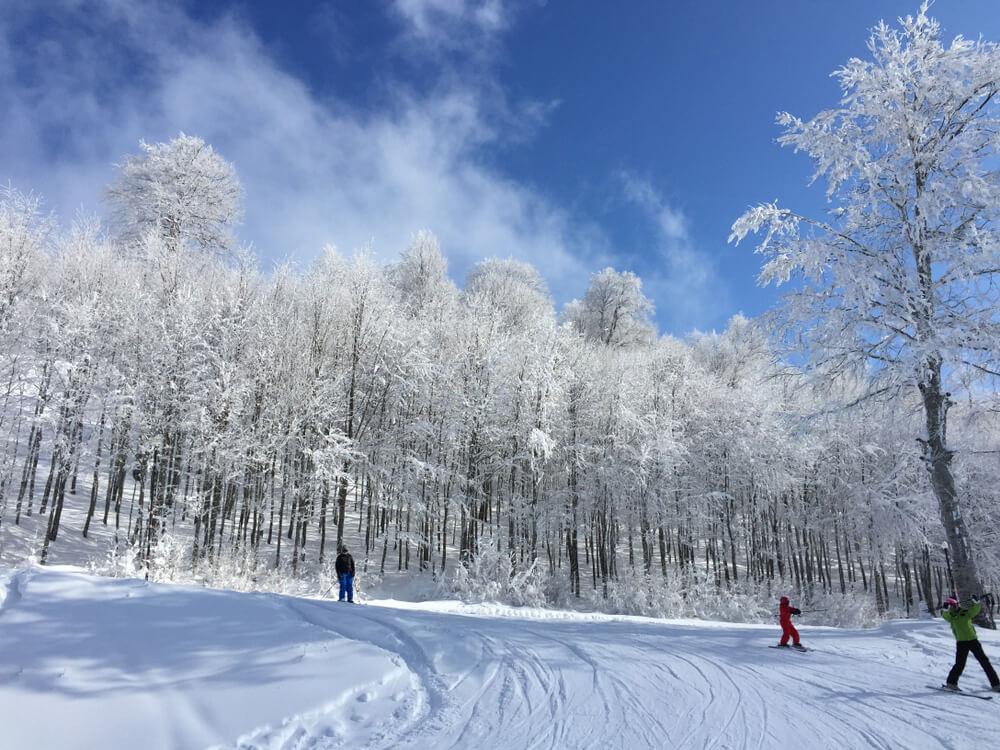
(90, 662)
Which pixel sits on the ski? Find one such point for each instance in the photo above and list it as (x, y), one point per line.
(961, 692)
(789, 648)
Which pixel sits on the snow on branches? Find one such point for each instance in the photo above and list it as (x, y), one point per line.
(903, 277)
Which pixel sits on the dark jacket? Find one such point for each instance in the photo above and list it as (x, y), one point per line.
(344, 564)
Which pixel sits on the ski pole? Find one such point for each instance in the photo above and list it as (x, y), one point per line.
(964, 603)
(335, 583)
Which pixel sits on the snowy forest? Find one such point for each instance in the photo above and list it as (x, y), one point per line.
(206, 418)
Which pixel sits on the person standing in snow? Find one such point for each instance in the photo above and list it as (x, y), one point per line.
(345, 574)
(966, 641)
(785, 612)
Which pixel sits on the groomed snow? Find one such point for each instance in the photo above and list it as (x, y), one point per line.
(88, 662)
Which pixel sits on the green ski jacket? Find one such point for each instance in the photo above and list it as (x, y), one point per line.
(961, 621)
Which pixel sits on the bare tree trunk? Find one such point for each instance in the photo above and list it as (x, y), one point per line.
(938, 459)
(96, 478)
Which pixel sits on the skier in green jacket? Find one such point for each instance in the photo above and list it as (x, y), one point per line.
(966, 641)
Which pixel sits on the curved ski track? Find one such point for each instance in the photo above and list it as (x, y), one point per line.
(488, 682)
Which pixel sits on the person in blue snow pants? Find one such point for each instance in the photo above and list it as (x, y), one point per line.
(345, 574)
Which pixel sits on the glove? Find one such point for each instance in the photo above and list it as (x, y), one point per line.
(795, 611)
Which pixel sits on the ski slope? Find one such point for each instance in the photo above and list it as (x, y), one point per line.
(87, 662)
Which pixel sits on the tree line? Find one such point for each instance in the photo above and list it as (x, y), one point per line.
(156, 379)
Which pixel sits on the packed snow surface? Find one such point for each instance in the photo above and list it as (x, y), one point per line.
(88, 662)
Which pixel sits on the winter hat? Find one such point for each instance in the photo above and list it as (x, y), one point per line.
(951, 601)
(784, 600)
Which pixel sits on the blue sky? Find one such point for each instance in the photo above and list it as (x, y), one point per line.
(574, 135)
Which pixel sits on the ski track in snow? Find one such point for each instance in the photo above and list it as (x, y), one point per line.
(506, 682)
(199, 668)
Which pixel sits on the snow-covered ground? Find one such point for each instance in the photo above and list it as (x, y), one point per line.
(88, 662)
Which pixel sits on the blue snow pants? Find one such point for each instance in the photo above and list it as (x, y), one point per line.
(346, 587)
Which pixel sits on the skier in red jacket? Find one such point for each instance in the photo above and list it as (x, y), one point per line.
(785, 612)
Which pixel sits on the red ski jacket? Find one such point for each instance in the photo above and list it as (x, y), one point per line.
(785, 611)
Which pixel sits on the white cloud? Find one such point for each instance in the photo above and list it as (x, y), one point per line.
(687, 286)
(671, 221)
(454, 24)
(314, 171)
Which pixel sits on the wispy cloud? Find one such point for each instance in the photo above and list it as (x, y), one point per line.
(687, 284)
(671, 221)
(453, 24)
(315, 171)
(98, 77)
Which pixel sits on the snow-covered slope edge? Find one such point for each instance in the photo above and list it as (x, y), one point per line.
(87, 662)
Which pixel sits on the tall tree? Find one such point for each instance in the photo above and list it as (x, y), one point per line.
(614, 311)
(24, 234)
(182, 192)
(902, 277)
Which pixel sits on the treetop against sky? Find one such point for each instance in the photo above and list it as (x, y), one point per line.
(571, 136)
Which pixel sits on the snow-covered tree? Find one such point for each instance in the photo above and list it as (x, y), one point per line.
(903, 276)
(614, 311)
(24, 236)
(235, 424)
(421, 275)
(511, 290)
(182, 192)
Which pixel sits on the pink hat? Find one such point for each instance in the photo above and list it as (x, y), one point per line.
(951, 601)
